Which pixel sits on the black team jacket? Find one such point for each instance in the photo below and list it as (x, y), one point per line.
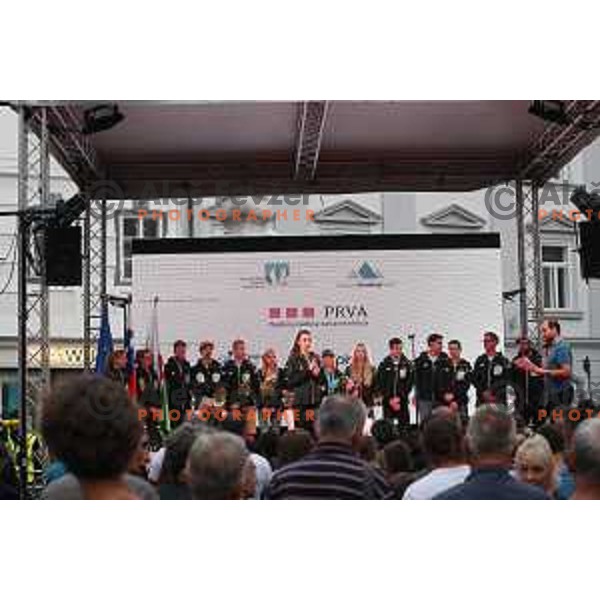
(433, 379)
(492, 375)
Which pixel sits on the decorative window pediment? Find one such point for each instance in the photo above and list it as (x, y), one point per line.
(453, 217)
(347, 212)
(556, 224)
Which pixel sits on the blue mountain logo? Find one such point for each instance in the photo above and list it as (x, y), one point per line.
(367, 271)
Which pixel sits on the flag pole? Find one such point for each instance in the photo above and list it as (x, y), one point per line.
(159, 366)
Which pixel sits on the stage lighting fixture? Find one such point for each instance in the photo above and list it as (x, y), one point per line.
(550, 110)
(69, 211)
(100, 118)
(512, 294)
(585, 201)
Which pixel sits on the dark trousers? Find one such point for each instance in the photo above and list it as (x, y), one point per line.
(402, 415)
(463, 410)
(559, 399)
(307, 417)
(179, 401)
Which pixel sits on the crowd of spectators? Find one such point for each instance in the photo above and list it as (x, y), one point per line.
(100, 450)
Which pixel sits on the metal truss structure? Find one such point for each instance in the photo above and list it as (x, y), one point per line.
(94, 275)
(312, 116)
(33, 193)
(556, 146)
(56, 129)
(42, 130)
(78, 157)
(531, 307)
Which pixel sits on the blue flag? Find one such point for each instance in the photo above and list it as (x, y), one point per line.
(105, 343)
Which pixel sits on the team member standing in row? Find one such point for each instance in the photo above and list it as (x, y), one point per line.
(271, 380)
(361, 375)
(206, 373)
(491, 372)
(240, 377)
(460, 382)
(395, 379)
(331, 379)
(148, 395)
(178, 381)
(433, 377)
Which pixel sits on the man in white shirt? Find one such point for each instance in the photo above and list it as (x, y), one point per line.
(444, 445)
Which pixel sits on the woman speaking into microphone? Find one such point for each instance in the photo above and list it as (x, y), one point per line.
(302, 372)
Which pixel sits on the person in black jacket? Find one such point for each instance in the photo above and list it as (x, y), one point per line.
(178, 381)
(206, 373)
(271, 379)
(529, 387)
(302, 372)
(460, 381)
(433, 377)
(394, 380)
(148, 395)
(240, 378)
(331, 379)
(491, 372)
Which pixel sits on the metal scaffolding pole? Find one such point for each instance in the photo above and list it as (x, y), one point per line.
(533, 261)
(529, 259)
(94, 290)
(33, 298)
(523, 320)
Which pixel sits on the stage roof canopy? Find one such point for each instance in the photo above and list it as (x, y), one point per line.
(239, 148)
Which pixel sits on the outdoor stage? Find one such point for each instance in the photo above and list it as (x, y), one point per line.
(202, 149)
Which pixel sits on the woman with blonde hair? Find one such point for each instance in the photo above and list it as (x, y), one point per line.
(270, 377)
(534, 463)
(360, 374)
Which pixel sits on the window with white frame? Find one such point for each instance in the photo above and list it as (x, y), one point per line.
(130, 227)
(555, 267)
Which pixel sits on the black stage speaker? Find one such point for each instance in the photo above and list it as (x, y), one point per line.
(62, 249)
(589, 235)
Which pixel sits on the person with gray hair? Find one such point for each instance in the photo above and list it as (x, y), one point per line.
(218, 466)
(491, 438)
(341, 418)
(587, 460)
(332, 470)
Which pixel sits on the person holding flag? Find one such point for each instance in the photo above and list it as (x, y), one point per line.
(157, 362)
